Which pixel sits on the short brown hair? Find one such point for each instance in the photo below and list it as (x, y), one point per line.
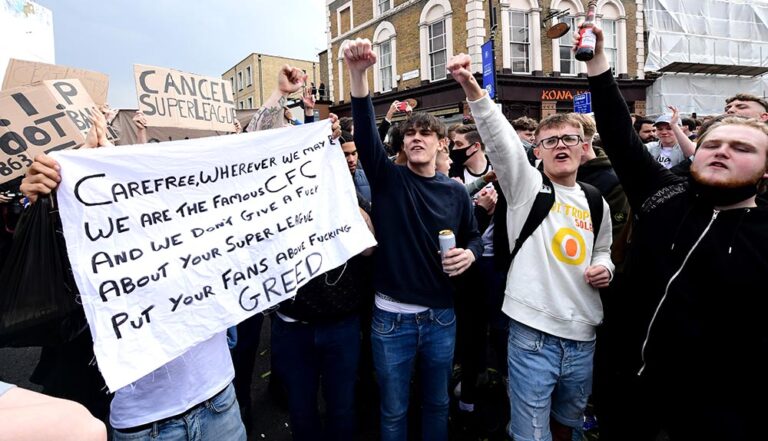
(452, 128)
(524, 123)
(560, 120)
(470, 133)
(748, 97)
(587, 124)
(423, 120)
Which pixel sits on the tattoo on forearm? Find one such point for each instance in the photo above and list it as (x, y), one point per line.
(268, 117)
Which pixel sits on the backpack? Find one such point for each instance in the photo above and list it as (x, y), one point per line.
(545, 199)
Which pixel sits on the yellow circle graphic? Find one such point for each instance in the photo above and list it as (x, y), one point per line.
(569, 247)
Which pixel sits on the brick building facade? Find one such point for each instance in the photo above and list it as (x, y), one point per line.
(255, 77)
(536, 75)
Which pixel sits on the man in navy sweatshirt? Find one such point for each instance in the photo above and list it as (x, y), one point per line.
(413, 317)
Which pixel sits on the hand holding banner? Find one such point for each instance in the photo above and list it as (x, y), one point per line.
(171, 246)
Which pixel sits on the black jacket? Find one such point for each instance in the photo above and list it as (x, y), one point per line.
(695, 301)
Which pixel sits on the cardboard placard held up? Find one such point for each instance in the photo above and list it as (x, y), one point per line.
(40, 119)
(172, 98)
(26, 73)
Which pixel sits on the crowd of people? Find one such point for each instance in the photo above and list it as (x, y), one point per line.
(611, 259)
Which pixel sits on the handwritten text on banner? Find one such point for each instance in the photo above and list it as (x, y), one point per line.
(170, 246)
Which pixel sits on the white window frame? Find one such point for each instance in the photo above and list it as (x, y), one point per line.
(614, 10)
(382, 68)
(339, 10)
(248, 76)
(437, 74)
(577, 12)
(242, 104)
(534, 37)
(240, 80)
(566, 41)
(526, 44)
(232, 81)
(434, 11)
(385, 32)
(377, 7)
(250, 102)
(610, 42)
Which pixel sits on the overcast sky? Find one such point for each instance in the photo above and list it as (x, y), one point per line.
(206, 37)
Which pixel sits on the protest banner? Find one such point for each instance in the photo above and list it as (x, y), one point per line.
(26, 73)
(171, 246)
(53, 115)
(172, 98)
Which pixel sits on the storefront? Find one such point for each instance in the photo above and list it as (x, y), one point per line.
(518, 95)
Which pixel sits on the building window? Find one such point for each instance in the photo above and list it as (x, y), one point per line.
(520, 46)
(384, 6)
(613, 22)
(567, 59)
(242, 104)
(385, 65)
(385, 45)
(435, 39)
(248, 76)
(232, 80)
(611, 43)
(240, 81)
(344, 22)
(437, 53)
(250, 102)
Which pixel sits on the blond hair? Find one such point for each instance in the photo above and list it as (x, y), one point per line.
(559, 120)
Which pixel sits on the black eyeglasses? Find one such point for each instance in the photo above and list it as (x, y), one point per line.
(568, 141)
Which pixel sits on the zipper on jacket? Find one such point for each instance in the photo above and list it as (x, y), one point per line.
(666, 290)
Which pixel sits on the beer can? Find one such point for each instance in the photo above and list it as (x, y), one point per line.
(447, 241)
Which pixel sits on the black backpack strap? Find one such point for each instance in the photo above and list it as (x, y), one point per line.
(545, 199)
(595, 201)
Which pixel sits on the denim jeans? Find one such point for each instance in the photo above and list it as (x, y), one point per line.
(398, 340)
(216, 419)
(303, 355)
(547, 375)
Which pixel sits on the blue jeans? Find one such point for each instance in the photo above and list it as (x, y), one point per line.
(547, 375)
(303, 355)
(215, 419)
(398, 340)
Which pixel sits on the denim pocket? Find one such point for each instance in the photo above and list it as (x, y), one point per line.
(224, 400)
(445, 317)
(524, 337)
(382, 325)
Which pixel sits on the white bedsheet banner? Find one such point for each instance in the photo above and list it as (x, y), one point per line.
(171, 244)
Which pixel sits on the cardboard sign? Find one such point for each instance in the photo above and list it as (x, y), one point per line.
(172, 246)
(54, 115)
(171, 98)
(25, 73)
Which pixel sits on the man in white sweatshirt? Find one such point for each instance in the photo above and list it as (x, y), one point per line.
(551, 292)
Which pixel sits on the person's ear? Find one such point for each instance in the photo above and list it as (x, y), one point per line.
(537, 152)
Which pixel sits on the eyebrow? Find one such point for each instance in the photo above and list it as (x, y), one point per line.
(733, 144)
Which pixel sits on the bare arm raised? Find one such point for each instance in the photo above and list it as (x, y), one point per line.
(270, 115)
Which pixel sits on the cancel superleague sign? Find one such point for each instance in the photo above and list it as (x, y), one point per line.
(171, 98)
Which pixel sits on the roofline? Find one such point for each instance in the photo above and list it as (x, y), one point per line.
(273, 56)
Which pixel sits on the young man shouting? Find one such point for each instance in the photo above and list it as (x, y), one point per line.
(551, 292)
